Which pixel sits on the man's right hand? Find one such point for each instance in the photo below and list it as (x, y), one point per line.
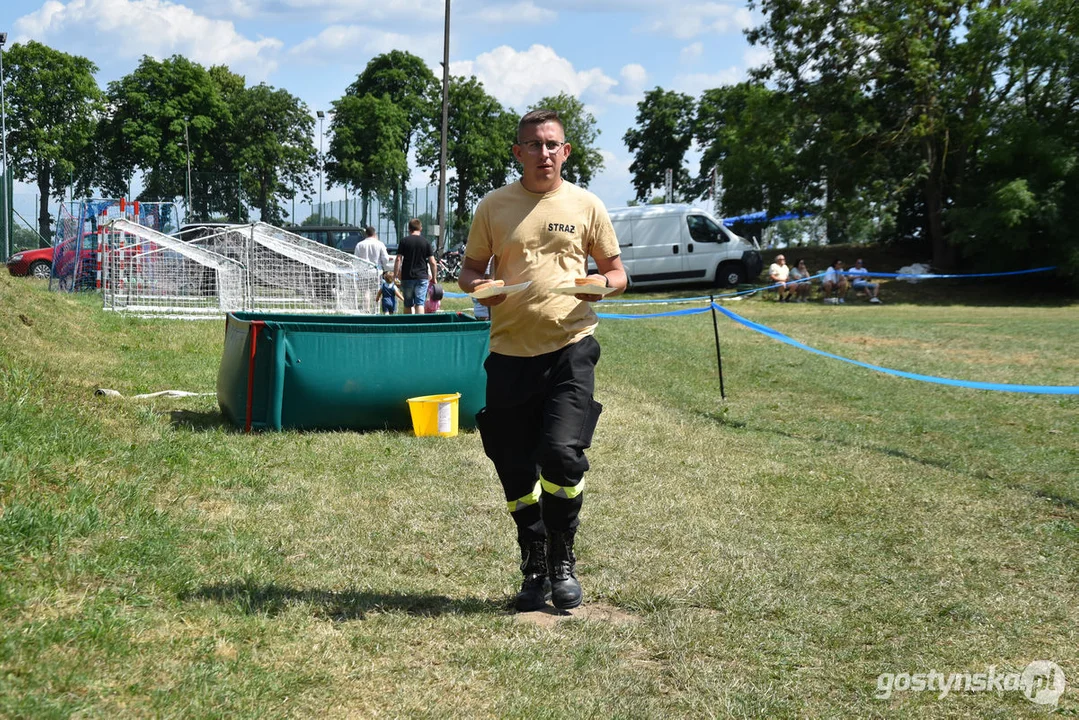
(488, 301)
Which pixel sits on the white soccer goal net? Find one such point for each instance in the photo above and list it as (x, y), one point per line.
(280, 273)
(319, 278)
(149, 273)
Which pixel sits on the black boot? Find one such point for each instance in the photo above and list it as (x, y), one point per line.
(562, 567)
(536, 588)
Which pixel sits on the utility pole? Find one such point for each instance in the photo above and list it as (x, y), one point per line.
(445, 128)
(321, 115)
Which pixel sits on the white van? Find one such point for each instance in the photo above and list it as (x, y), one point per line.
(675, 244)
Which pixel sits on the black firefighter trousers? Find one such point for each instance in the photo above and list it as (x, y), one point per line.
(539, 420)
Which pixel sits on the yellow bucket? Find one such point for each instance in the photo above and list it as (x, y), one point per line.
(434, 415)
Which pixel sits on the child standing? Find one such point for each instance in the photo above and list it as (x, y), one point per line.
(388, 293)
(433, 303)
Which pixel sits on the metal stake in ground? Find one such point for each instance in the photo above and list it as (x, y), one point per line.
(719, 357)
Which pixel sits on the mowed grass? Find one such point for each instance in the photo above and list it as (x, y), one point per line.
(765, 556)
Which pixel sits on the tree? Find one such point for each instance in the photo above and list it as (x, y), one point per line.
(663, 134)
(158, 115)
(53, 103)
(749, 136)
(1018, 198)
(585, 161)
(367, 146)
(409, 84)
(906, 98)
(479, 137)
(273, 147)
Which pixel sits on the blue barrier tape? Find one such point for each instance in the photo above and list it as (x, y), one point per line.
(932, 276)
(999, 387)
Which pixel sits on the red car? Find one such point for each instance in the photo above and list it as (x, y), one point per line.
(35, 263)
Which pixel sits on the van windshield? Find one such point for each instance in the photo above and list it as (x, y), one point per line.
(704, 229)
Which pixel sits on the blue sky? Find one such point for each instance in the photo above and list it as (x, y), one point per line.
(607, 53)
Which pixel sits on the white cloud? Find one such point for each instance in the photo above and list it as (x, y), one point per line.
(756, 56)
(523, 12)
(634, 77)
(341, 11)
(631, 89)
(133, 28)
(695, 83)
(691, 53)
(517, 78)
(355, 44)
(615, 184)
(689, 21)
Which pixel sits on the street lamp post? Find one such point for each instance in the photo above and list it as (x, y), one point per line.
(187, 148)
(3, 131)
(321, 115)
(445, 125)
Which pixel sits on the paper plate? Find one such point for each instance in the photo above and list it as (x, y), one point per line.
(584, 290)
(492, 290)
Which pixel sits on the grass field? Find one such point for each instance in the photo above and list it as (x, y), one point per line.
(765, 556)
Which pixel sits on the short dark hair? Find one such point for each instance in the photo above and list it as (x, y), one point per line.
(370, 230)
(414, 225)
(538, 117)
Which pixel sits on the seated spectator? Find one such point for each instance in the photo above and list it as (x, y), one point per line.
(778, 273)
(858, 276)
(799, 278)
(834, 283)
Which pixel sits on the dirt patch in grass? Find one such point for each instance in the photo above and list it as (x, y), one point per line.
(596, 612)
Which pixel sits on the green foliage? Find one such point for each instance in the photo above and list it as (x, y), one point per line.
(52, 106)
(905, 110)
(315, 219)
(367, 150)
(749, 136)
(660, 141)
(23, 238)
(585, 160)
(479, 136)
(273, 147)
(405, 81)
(160, 116)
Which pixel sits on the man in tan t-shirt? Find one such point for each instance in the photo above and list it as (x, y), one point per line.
(540, 413)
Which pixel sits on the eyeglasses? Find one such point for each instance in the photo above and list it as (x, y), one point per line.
(534, 146)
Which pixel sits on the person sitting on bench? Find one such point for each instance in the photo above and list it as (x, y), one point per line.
(859, 275)
(834, 283)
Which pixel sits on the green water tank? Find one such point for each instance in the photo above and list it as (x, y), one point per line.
(348, 372)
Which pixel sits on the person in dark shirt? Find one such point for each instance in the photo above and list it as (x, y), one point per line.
(415, 266)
